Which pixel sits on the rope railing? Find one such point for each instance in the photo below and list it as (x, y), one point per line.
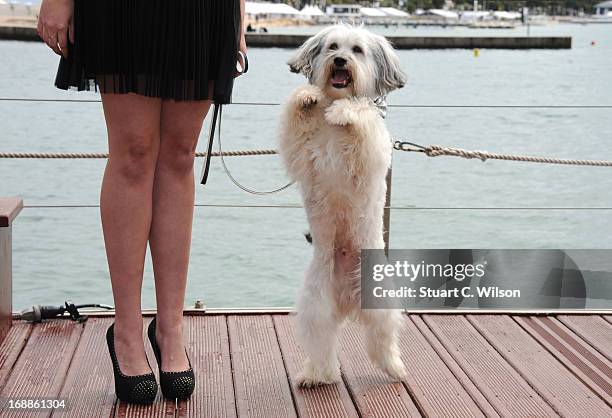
(405, 105)
(430, 151)
(96, 155)
(437, 151)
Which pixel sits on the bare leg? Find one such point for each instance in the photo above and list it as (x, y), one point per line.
(125, 204)
(170, 238)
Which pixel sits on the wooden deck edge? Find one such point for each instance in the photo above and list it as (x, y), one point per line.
(287, 311)
(9, 209)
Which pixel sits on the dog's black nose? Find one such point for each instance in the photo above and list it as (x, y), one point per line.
(339, 61)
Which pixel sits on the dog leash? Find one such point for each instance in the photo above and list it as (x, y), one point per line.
(216, 115)
(211, 137)
(236, 182)
(216, 121)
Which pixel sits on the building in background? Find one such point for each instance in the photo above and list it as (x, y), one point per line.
(604, 8)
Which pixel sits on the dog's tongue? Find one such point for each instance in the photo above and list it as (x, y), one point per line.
(340, 77)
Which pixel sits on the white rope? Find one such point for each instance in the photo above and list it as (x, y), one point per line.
(79, 155)
(437, 151)
(430, 151)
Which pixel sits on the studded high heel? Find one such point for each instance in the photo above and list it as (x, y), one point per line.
(174, 385)
(132, 389)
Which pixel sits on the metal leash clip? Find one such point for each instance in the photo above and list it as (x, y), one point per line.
(408, 146)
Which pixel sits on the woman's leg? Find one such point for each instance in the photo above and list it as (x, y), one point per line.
(170, 239)
(133, 124)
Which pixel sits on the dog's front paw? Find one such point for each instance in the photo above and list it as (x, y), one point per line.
(341, 113)
(311, 376)
(308, 96)
(345, 112)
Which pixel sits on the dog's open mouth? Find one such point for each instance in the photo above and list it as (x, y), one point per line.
(340, 78)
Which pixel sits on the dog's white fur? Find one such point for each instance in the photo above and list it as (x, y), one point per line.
(335, 145)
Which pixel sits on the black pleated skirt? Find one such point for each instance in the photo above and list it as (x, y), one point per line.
(171, 49)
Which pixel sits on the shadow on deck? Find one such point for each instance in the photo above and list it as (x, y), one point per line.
(459, 365)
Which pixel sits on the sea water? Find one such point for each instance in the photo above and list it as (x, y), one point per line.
(256, 256)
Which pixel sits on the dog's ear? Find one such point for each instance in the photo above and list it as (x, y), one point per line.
(302, 61)
(390, 74)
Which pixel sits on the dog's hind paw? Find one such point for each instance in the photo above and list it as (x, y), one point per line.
(393, 366)
(310, 377)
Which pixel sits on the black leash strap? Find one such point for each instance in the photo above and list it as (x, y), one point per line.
(217, 119)
(211, 140)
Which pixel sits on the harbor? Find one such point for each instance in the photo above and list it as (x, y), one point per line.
(268, 40)
(25, 31)
(480, 82)
(513, 101)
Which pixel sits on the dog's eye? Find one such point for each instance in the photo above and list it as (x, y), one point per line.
(333, 46)
(357, 50)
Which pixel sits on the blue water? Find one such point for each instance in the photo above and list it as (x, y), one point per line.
(256, 256)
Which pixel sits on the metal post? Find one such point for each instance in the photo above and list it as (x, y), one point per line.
(387, 213)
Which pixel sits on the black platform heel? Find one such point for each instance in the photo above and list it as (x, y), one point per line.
(132, 389)
(174, 385)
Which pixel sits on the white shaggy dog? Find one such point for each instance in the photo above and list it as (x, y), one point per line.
(335, 145)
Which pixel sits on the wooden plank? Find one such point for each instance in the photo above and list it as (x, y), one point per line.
(562, 389)
(260, 379)
(322, 401)
(89, 385)
(593, 329)
(588, 354)
(40, 370)
(503, 386)
(208, 348)
(9, 209)
(600, 381)
(161, 407)
(475, 392)
(434, 388)
(11, 348)
(375, 394)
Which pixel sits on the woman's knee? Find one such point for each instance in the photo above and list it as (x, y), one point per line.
(177, 153)
(134, 155)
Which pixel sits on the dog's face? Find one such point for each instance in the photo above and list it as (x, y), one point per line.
(348, 61)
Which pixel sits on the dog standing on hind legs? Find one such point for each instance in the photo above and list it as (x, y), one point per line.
(335, 145)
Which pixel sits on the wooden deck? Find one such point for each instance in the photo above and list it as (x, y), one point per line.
(459, 365)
